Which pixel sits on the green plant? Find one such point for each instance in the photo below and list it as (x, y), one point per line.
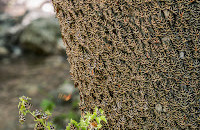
(39, 117)
(60, 121)
(73, 115)
(90, 121)
(75, 104)
(47, 105)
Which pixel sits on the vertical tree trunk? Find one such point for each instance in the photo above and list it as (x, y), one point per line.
(138, 60)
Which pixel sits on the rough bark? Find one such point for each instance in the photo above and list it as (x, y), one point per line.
(138, 60)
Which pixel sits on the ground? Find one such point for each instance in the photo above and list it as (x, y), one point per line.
(34, 77)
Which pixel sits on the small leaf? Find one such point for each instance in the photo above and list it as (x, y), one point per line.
(84, 128)
(103, 118)
(96, 109)
(93, 117)
(48, 113)
(101, 111)
(99, 126)
(68, 127)
(74, 123)
(98, 119)
(87, 115)
(82, 122)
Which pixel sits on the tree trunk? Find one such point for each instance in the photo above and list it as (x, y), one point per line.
(138, 60)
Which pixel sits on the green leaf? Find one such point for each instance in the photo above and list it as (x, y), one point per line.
(103, 118)
(96, 109)
(48, 125)
(48, 113)
(98, 119)
(87, 115)
(19, 105)
(93, 116)
(74, 123)
(99, 126)
(47, 105)
(101, 111)
(82, 122)
(68, 127)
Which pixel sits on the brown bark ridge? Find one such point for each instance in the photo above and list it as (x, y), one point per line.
(138, 60)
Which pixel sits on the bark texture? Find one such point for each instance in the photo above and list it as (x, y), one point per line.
(138, 60)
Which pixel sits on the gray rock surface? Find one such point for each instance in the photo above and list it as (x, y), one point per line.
(66, 88)
(3, 51)
(41, 36)
(55, 60)
(6, 22)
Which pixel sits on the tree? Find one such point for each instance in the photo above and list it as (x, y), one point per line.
(138, 60)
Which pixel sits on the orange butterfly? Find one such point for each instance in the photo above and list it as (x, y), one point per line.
(64, 97)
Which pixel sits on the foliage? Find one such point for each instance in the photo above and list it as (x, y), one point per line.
(60, 121)
(47, 105)
(90, 121)
(73, 115)
(39, 117)
(75, 104)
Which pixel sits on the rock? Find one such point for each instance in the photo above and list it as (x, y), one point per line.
(15, 10)
(15, 29)
(10, 30)
(40, 37)
(33, 4)
(16, 52)
(48, 8)
(32, 30)
(6, 22)
(66, 88)
(61, 47)
(34, 15)
(158, 107)
(54, 60)
(3, 51)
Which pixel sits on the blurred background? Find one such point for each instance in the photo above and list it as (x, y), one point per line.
(33, 63)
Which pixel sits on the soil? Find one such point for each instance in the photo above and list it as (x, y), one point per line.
(32, 77)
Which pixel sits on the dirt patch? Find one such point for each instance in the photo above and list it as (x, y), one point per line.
(31, 77)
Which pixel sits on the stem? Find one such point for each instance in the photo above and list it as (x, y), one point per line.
(37, 118)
